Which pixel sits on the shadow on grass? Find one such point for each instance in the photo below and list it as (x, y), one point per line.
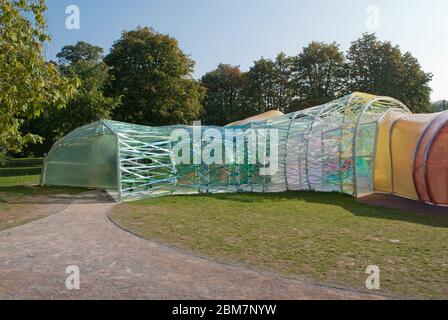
(421, 215)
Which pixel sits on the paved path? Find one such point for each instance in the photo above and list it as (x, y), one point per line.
(117, 265)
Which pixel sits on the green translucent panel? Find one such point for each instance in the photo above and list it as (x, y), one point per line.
(330, 160)
(365, 147)
(90, 162)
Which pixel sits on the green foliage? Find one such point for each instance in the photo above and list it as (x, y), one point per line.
(319, 74)
(2, 156)
(382, 69)
(82, 51)
(153, 76)
(269, 84)
(441, 105)
(224, 101)
(232, 95)
(28, 84)
(88, 105)
(146, 79)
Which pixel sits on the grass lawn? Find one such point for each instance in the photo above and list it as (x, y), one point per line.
(23, 204)
(327, 238)
(19, 180)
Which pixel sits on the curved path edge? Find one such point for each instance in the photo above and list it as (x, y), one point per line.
(117, 264)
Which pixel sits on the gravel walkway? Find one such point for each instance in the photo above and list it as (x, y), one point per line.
(115, 264)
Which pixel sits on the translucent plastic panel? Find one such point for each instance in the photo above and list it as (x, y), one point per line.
(366, 135)
(330, 160)
(187, 179)
(315, 157)
(90, 130)
(248, 172)
(421, 155)
(383, 164)
(276, 137)
(365, 145)
(145, 161)
(356, 105)
(405, 135)
(90, 162)
(295, 162)
(214, 178)
(437, 167)
(325, 148)
(365, 139)
(296, 152)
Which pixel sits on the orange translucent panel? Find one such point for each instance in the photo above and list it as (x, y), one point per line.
(437, 167)
(405, 135)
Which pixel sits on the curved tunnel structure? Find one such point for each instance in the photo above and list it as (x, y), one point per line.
(358, 145)
(412, 157)
(431, 162)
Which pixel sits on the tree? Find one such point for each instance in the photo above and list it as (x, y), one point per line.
(441, 105)
(29, 85)
(88, 105)
(223, 101)
(260, 88)
(318, 75)
(380, 68)
(3, 157)
(81, 51)
(286, 90)
(153, 76)
(269, 85)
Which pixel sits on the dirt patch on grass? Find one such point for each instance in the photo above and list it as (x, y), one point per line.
(13, 216)
(24, 204)
(392, 201)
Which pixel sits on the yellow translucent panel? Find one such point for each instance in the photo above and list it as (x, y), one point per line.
(405, 135)
(383, 170)
(260, 117)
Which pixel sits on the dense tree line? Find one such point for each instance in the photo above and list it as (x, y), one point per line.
(318, 74)
(83, 62)
(147, 79)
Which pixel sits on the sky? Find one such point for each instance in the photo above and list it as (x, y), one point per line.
(241, 31)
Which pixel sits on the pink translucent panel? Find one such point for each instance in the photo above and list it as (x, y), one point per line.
(426, 142)
(437, 168)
